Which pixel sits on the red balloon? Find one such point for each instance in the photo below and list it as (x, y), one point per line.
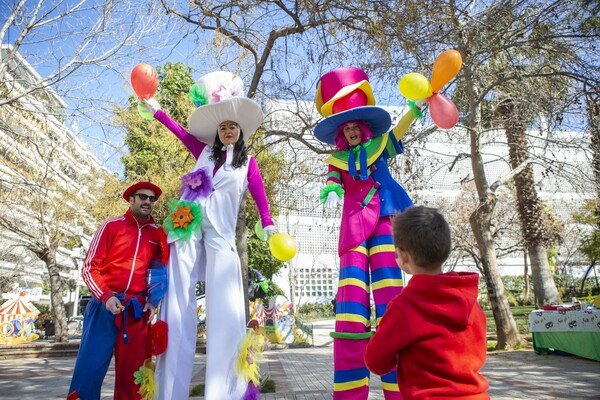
(144, 80)
(443, 111)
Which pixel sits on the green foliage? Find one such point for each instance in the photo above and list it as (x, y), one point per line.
(197, 390)
(260, 258)
(520, 315)
(268, 386)
(590, 243)
(316, 311)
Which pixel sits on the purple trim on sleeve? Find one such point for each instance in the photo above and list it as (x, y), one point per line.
(194, 145)
(257, 190)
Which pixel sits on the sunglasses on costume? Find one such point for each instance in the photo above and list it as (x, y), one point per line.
(145, 197)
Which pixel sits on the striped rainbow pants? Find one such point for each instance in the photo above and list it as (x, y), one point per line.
(353, 310)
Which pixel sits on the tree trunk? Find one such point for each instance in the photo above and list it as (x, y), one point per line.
(480, 220)
(528, 204)
(526, 274)
(56, 295)
(593, 114)
(242, 248)
(506, 328)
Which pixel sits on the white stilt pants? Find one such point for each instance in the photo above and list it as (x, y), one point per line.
(225, 318)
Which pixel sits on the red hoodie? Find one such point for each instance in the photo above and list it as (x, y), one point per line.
(434, 332)
(119, 255)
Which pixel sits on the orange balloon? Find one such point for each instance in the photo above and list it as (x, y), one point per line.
(144, 81)
(445, 67)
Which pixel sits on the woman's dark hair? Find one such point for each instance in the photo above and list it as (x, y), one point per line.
(240, 152)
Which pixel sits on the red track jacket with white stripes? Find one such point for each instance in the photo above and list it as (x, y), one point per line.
(119, 256)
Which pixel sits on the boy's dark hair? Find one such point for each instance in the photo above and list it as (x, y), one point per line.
(424, 234)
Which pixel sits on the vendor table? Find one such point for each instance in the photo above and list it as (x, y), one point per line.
(574, 332)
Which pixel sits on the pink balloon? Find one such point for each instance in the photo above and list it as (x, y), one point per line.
(443, 111)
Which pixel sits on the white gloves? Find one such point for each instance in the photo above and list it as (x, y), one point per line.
(333, 200)
(270, 230)
(150, 106)
(114, 305)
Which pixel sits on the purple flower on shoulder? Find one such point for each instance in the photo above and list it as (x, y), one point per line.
(195, 185)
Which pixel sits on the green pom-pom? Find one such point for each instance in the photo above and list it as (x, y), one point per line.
(198, 95)
(145, 114)
(336, 187)
(415, 110)
(180, 233)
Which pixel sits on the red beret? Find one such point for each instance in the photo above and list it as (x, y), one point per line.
(141, 185)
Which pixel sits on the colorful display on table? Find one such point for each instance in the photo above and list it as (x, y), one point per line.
(415, 87)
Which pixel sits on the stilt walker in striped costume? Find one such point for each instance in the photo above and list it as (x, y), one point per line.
(202, 242)
(359, 173)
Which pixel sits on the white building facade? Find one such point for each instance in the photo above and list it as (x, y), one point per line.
(36, 145)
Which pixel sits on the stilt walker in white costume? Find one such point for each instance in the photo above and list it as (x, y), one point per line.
(202, 240)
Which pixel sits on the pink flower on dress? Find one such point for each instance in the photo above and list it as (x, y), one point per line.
(196, 184)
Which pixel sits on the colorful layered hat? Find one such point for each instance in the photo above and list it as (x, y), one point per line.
(343, 95)
(219, 97)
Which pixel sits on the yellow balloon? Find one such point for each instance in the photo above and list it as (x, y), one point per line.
(445, 67)
(282, 246)
(415, 86)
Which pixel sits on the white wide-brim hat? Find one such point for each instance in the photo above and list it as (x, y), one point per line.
(205, 120)
(219, 97)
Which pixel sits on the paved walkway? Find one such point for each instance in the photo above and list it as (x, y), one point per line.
(306, 374)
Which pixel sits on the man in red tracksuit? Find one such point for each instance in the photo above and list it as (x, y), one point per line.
(115, 270)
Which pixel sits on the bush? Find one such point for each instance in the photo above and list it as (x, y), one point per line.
(315, 311)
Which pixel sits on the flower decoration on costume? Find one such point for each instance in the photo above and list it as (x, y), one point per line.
(252, 392)
(196, 184)
(249, 356)
(145, 378)
(213, 90)
(185, 219)
(182, 217)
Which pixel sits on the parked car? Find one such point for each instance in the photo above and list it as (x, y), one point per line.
(75, 325)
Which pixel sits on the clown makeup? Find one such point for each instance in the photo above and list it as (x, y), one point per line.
(229, 132)
(352, 133)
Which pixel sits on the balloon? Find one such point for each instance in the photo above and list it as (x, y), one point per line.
(443, 111)
(415, 86)
(144, 81)
(445, 67)
(282, 246)
(258, 229)
(144, 113)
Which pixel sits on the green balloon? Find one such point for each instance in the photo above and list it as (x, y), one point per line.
(258, 229)
(143, 113)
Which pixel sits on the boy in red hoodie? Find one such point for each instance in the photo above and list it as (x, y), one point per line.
(434, 331)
